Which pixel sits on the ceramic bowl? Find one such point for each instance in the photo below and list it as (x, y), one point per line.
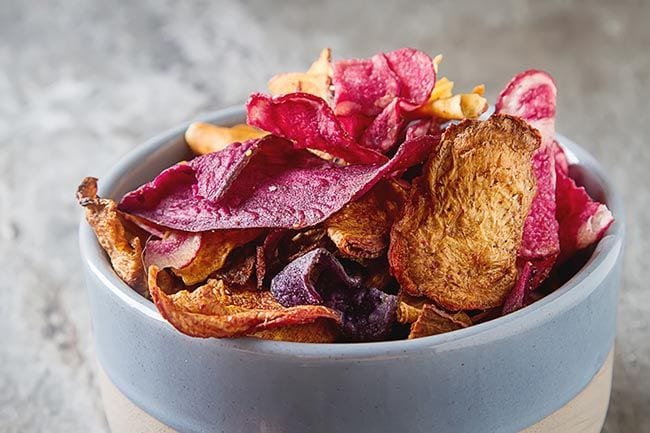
(546, 367)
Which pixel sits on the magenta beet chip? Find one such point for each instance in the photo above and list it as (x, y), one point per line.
(379, 92)
(318, 278)
(583, 221)
(278, 187)
(309, 122)
(515, 299)
(531, 95)
(416, 75)
(561, 161)
(367, 86)
(364, 86)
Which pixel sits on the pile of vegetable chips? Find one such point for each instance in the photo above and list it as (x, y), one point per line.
(362, 201)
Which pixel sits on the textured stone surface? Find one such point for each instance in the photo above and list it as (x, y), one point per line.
(83, 81)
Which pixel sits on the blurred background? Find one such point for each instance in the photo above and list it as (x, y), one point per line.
(84, 81)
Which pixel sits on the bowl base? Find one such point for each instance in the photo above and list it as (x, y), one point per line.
(585, 413)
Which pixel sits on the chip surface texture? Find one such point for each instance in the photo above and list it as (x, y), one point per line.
(458, 238)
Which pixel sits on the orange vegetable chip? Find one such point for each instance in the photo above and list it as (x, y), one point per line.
(316, 81)
(458, 238)
(361, 229)
(213, 252)
(433, 320)
(120, 238)
(205, 138)
(213, 310)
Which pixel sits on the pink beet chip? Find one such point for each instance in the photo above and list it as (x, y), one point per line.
(280, 187)
(384, 130)
(379, 92)
(416, 75)
(363, 86)
(583, 221)
(309, 122)
(531, 95)
(176, 250)
(561, 161)
(515, 299)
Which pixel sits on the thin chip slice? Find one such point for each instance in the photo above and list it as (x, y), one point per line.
(316, 81)
(531, 95)
(317, 278)
(213, 310)
(240, 268)
(175, 249)
(433, 321)
(361, 229)
(205, 138)
(310, 123)
(367, 86)
(457, 240)
(515, 299)
(121, 240)
(212, 254)
(583, 221)
(270, 185)
(444, 105)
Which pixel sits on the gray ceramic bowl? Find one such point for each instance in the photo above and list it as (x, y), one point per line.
(504, 375)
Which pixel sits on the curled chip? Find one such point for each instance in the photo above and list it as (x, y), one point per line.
(205, 138)
(444, 105)
(316, 81)
(213, 310)
(175, 249)
(373, 96)
(367, 86)
(457, 240)
(310, 123)
(361, 229)
(531, 95)
(121, 240)
(433, 320)
(212, 253)
(317, 278)
(583, 221)
(263, 184)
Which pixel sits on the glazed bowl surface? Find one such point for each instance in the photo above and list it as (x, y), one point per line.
(504, 375)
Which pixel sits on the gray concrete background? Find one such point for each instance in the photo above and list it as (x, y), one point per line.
(82, 82)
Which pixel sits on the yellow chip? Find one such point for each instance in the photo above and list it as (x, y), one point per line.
(205, 138)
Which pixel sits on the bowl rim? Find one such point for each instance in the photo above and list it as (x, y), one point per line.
(576, 289)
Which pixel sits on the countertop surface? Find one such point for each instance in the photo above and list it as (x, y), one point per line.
(83, 82)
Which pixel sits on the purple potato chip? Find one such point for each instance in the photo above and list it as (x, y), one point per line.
(317, 278)
(278, 187)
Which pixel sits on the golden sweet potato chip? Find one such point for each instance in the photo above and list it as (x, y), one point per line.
(409, 308)
(443, 104)
(316, 80)
(121, 239)
(361, 229)
(458, 238)
(433, 320)
(213, 310)
(321, 331)
(213, 252)
(205, 138)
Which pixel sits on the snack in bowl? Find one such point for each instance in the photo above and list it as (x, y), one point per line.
(362, 201)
